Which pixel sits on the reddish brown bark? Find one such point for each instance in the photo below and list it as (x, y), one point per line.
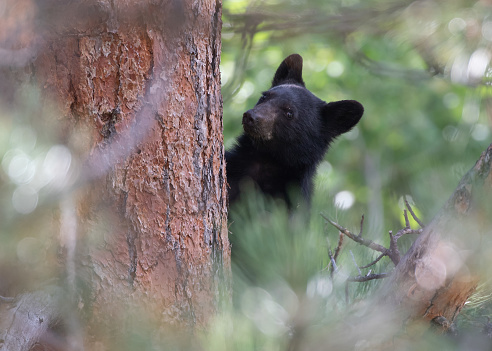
(431, 283)
(441, 270)
(137, 90)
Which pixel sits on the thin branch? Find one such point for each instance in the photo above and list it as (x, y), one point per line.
(407, 221)
(334, 267)
(413, 214)
(334, 257)
(365, 278)
(374, 262)
(357, 238)
(355, 263)
(339, 246)
(392, 70)
(406, 231)
(393, 252)
(361, 225)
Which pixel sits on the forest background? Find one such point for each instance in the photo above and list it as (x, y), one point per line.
(422, 71)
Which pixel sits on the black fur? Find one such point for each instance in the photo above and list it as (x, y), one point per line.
(286, 135)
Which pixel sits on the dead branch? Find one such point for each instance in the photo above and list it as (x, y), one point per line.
(365, 278)
(333, 267)
(355, 262)
(406, 231)
(339, 246)
(413, 215)
(334, 256)
(368, 276)
(392, 251)
(373, 262)
(425, 285)
(357, 238)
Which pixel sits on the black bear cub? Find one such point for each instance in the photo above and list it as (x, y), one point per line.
(286, 135)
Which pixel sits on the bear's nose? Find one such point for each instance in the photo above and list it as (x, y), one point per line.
(248, 118)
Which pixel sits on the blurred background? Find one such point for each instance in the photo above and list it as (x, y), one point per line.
(420, 68)
(422, 71)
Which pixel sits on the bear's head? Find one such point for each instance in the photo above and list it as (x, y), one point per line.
(292, 123)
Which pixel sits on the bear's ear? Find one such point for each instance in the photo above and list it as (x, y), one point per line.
(341, 116)
(289, 71)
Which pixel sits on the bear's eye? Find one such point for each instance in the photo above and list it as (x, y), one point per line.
(262, 98)
(289, 114)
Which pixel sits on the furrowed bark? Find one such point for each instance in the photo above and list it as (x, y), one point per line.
(135, 87)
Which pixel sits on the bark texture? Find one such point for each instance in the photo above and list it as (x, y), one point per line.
(137, 92)
(440, 271)
(27, 320)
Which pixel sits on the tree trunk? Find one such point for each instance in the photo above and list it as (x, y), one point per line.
(441, 270)
(432, 282)
(137, 90)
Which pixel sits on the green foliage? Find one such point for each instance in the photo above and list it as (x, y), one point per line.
(417, 67)
(420, 132)
(411, 64)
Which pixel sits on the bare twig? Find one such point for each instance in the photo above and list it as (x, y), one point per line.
(393, 252)
(407, 221)
(406, 231)
(333, 267)
(339, 246)
(355, 262)
(365, 278)
(361, 225)
(334, 256)
(374, 262)
(357, 238)
(413, 214)
(333, 262)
